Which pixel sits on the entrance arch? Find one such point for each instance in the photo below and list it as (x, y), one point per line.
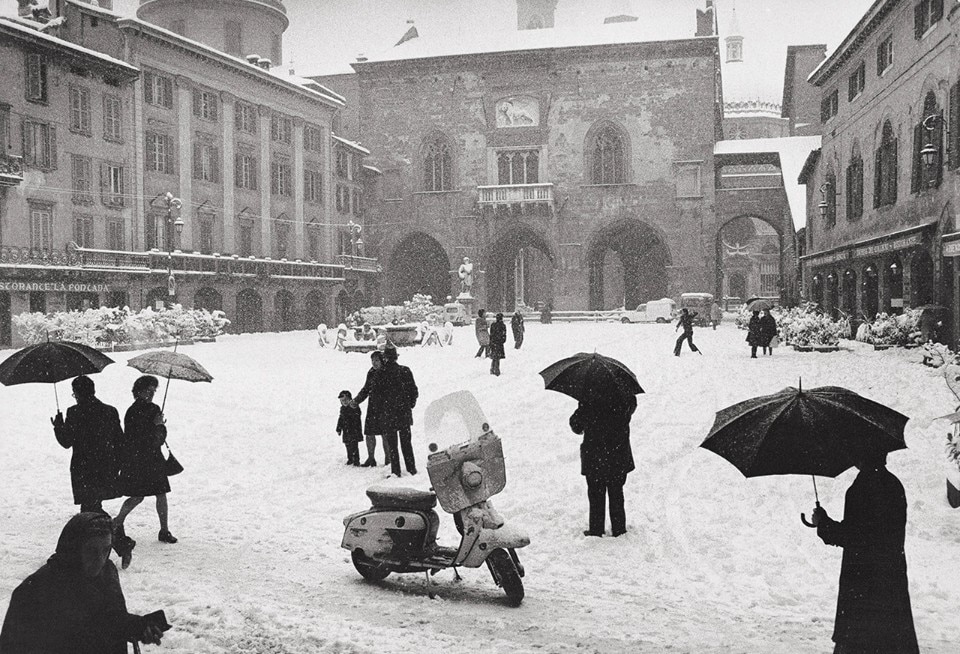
(749, 248)
(314, 309)
(627, 264)
(921, 279)
(208, 298)
(418, 264)
(850, 288)
(286, 312)
(519, 270)
(249, 311)
(870, 300)
(342, 306)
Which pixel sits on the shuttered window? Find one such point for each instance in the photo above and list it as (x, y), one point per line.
(39, 144)
(112, 123)
(80, 110)
(41, 226)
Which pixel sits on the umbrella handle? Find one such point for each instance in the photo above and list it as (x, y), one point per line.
(803, 519)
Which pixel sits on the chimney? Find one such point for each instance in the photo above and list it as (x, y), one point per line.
(705, 20)
(361, 57)
(264, 63)
(252, 59)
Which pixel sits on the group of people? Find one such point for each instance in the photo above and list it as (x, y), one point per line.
(74, 603)
(761, 332)
(493, 337)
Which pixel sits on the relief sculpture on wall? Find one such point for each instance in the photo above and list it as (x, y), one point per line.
(518, 111)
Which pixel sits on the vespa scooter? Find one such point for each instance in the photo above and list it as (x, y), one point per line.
(399, 532)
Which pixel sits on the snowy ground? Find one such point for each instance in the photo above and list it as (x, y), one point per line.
(712, 562)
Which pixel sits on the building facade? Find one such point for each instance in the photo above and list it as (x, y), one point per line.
(882, 230)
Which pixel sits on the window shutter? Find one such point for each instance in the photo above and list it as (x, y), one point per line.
(893, 172)
(196, 103)
(214, 164)
(197, 164)
(916, 177)
(849, 192)
(148, 88)
(24, 141)
(237, 170)
(214, 107)
(936, 10)
(918, 11)
(877, 176)
(880, 57)
(104, 184)
(938, 143)
(167, 92)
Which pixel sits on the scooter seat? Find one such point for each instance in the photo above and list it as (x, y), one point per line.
(392, 497)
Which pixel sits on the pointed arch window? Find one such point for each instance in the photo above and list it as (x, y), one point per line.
(885, 168)
(608, 157)
(437, 166)
(855, 186)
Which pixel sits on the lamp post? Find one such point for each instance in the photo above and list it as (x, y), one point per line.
(355, 241)
(172, 224)
(930, 153)
(824, 206)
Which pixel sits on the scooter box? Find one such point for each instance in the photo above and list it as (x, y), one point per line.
(380, 532)
(443, 467)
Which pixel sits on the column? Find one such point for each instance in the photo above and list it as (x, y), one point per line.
(228, 104)
(883, 285)
(266, 222)
(328, 241)
(842, 281)
(298, 220)
(907, 259)
(184, 94)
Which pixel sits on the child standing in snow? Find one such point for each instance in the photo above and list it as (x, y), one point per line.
(349, 426)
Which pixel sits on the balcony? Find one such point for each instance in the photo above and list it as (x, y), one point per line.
(11, 170)
(361, 264)
(516, 194)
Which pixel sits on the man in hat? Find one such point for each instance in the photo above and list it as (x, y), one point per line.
(399, 396)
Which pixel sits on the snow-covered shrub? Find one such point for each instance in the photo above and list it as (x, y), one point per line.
(417, 310)
(893, 329)
(806, 325)
(936, 355)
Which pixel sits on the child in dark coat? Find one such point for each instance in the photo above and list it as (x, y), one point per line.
(350, 428)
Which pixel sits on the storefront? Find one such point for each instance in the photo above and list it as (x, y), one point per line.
(23, 296)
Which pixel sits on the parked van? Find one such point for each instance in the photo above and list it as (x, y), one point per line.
(456, 313)
(653, 311)
(699, 302)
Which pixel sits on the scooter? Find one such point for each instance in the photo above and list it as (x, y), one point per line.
(399, 532)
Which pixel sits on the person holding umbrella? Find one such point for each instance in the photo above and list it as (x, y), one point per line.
(873, 604)
(768, 331)
(93, 430)
(142, 467)
(755, 334)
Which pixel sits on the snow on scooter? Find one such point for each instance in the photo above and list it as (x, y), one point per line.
(399, 532)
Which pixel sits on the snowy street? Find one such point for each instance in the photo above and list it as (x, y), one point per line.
(712, 562)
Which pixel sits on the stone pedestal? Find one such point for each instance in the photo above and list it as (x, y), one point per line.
(468, 302)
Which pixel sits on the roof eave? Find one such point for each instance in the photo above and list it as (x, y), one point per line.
(864, 27)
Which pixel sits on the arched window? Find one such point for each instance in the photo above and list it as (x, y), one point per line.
(607, 151)
(855, 185)
(437, 165)
(885, 168)
(927, 131)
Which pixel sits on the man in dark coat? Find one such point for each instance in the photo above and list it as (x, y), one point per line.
(498, 337)
(518, 328)
(74, 604)
(768, 329)
(400, 395)
(873, 605)
(754, 334)
(605, 456)
(371, 424)
(685, 321)
(93, 430)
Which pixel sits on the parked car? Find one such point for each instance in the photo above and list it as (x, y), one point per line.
(456, 313)
(661, 310)
(699, 302)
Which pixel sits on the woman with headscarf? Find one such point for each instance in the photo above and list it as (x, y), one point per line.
(498, 337)
(74, 604)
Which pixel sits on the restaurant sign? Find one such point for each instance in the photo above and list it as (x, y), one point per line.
(825, 259)
(951, 249)
(54, 287)
(889, 246)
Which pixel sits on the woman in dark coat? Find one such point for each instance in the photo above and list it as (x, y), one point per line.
(498, 337)
(754, 334)
(873, 605)
(93, 430)
(518, 328)
(74, 604)
(399, 391)
(605, 456)
(371, 424)
(142, 464)
(768, 329)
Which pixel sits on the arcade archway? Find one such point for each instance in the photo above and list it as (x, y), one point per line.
(628, 265)
(286, 313)
(249, 311)
(418, 264)
(209, 299)
(314, 309)
(519, 270)
(342, 307)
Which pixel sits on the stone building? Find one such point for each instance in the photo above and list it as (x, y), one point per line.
(882, 230)
(572, 164)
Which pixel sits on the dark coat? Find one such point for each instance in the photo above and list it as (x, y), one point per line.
(398, 395)
(480, 326)
(768, 329)
(754, 333)
(498, 336)
(142, 464)
(93, 430)
(348, 425)
(371, 425)
(686, 322)
(605, 454)
(873, 605)
(517, 326)
(58, 610)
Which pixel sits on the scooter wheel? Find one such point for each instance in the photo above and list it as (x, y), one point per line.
(369, 569)
(506, 575)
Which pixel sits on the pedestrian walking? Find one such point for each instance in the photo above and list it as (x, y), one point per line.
(716, 315)
(606, 457)
(400, 395)
(74, 603)
(483, 333)
(371, 426)
(754, 334)
(349, 427)
(142, 464)
(546, 313)
(768, 331)
(518, 329)
(498, 338)
(93, 430)
(685, 321)
(873, 603)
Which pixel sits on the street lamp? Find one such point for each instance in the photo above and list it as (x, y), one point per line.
(930, 153)
(824, 206)
(355, 240)
(172, 224)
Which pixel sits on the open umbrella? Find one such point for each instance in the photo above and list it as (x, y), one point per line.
(759, 304)
(585, 376)
(822, 431)
(50, 362)
(172, 365)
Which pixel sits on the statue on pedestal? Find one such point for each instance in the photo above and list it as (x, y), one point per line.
(466, 276)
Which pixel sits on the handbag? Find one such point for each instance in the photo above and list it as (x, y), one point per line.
(171, 466)
(775, 341)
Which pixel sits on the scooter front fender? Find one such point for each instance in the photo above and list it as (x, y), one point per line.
(506, 537)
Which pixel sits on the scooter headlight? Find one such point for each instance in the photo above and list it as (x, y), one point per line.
(471, 475)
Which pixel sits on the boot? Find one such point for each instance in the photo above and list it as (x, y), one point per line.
(369, 463)
(164, 536)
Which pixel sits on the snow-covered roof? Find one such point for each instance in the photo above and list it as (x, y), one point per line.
(350, 144)
(853, 41)
(34, 34)
(793, 152)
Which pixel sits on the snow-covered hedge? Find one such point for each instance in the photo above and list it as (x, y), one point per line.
(112, 326)
(902, 329)
(806, 325)
(420, 308)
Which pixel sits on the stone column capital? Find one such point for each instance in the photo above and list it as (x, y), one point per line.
(183, 82)
(226, 96)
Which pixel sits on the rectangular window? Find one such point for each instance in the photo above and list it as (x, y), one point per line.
(111, 184)
(154, 232)
(245, 171)
(4, 127)
(281, 129)
(313, 244)
(232, 41)
(518, 167)
(83, 231)
(313, 186)
(769, 278)
(246, 238)
(158, 90)
(926, 14)
(280, 178)
(885, 55)
(312, 139)
(355, 204)
(829, 106)
(36, 82)
(857, 81)
(855, 189)
(205, 104)
(82, 171)
(41, 226)
(114, 234)
(112, 123)
(688, 181)
(206, 233)
(283, 240)
(343, 199)
(206, 162)
(159, 153)
(342, 164)
(80, 110)
(39, 145)
(245, 118)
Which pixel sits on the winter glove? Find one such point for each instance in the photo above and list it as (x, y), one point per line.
(57, 421)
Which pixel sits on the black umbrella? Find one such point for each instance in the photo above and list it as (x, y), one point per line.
(590, 376)
(822, 431)
(50, 362)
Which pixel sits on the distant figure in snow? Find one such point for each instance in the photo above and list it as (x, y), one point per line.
(483, 333)
(371, 426)
(768, 331)
(685, 321)
(754, 334)
(716, 314)
(448, 333)
(518, 329)
(498, 338)
(322, 335)
(349, 427)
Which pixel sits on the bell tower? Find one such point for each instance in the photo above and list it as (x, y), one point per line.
(535, 14)
(237, 27)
